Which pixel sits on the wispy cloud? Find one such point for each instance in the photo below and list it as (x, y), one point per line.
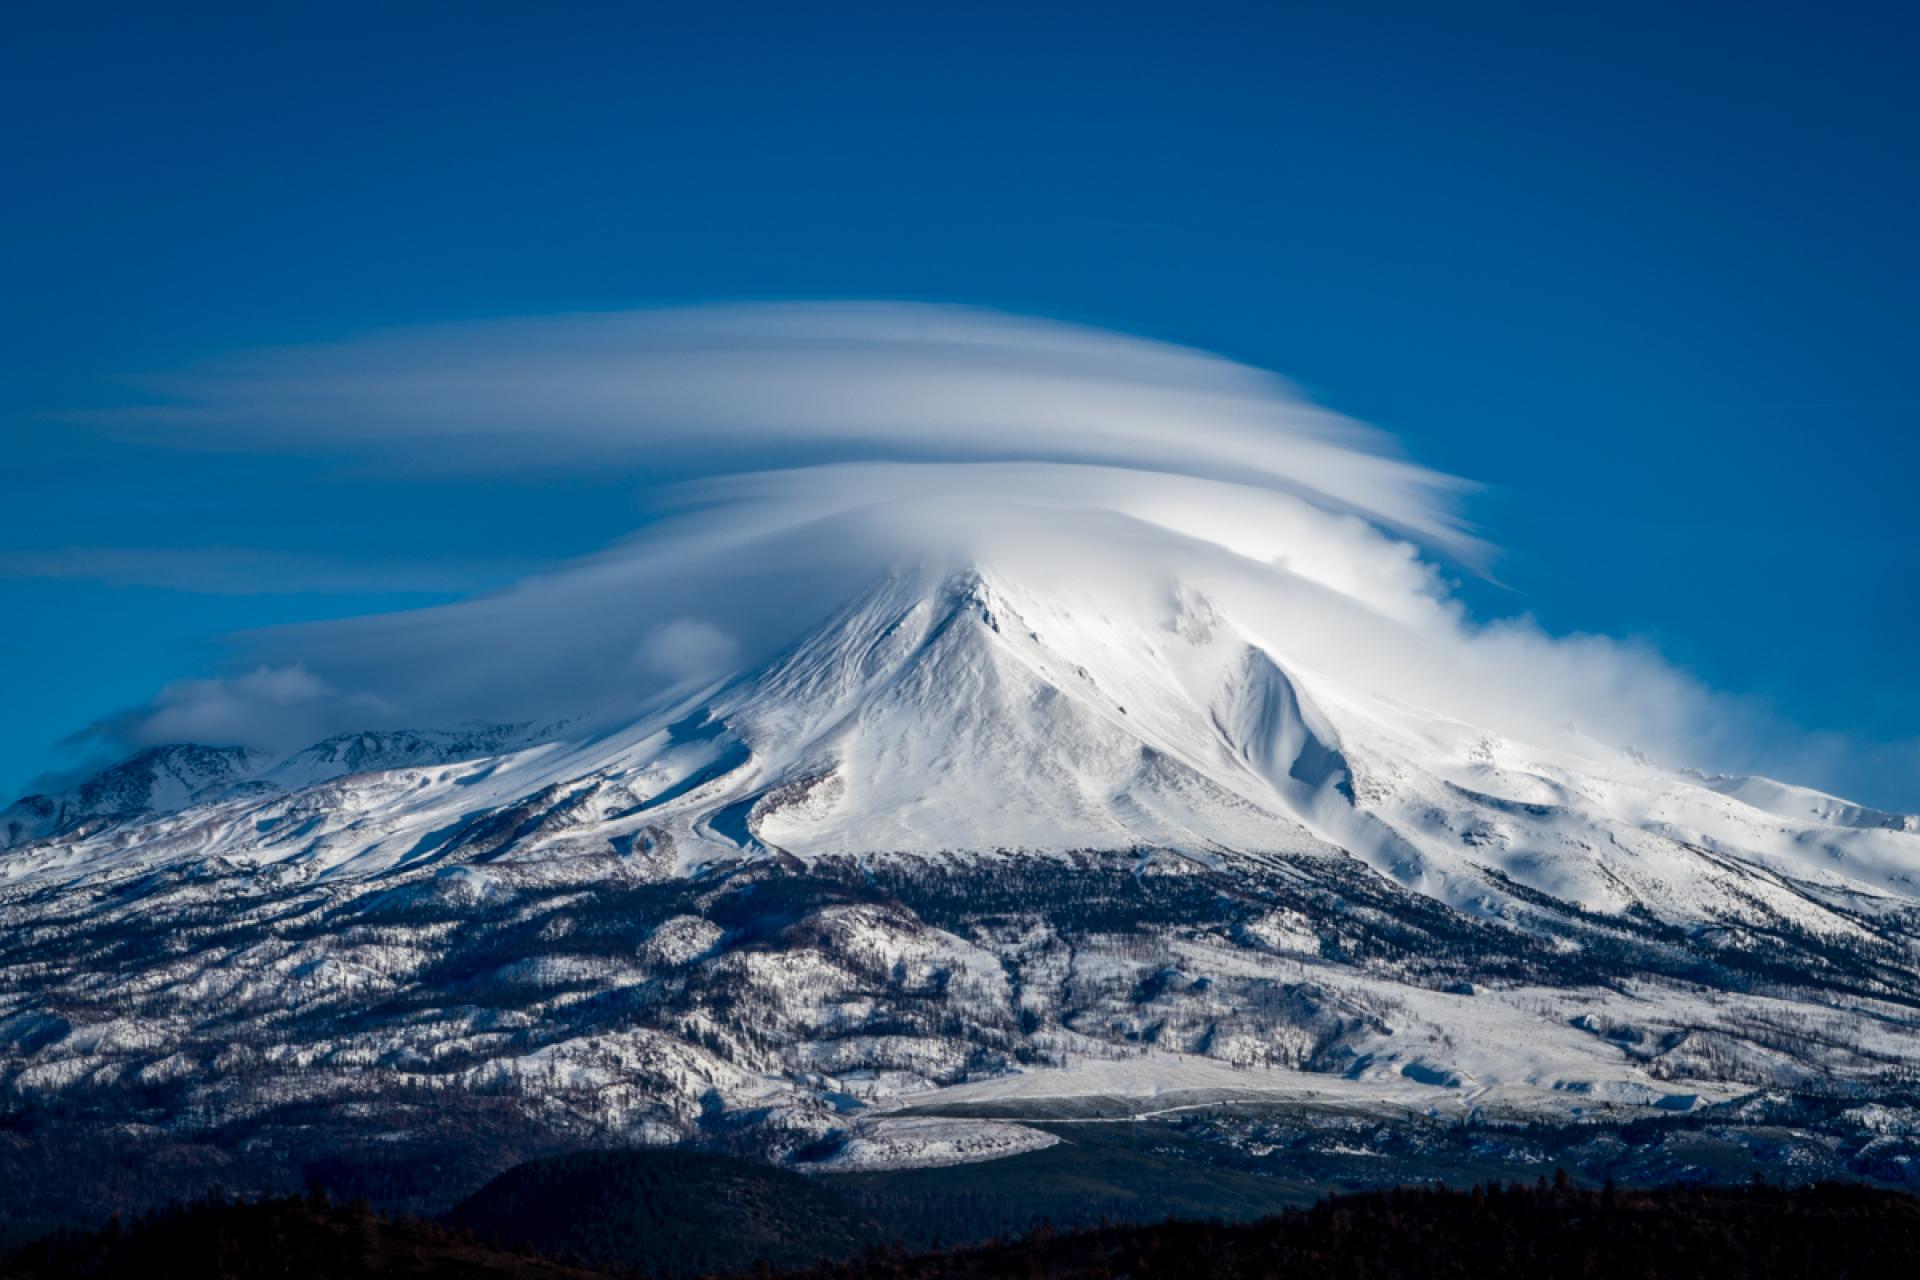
(258, 571)
(715, 390)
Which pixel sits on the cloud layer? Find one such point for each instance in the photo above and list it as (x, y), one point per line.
(794, 452)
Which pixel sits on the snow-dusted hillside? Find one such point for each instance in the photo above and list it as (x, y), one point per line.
(966, 827)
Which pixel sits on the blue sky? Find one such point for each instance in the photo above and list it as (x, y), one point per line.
(1649, 276)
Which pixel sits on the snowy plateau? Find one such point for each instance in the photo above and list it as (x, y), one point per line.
(967, 853)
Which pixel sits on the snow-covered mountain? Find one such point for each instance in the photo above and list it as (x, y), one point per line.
(956, 715)
(963, 828)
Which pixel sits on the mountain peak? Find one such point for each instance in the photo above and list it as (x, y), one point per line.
(155, 779)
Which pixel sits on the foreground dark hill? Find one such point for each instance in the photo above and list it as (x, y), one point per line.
(1492, 1233)
(291, 1239)
(1485, 1234)
(667, 1211)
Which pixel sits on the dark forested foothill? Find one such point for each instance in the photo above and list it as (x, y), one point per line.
(670, 1211)
(1487, 1233)
(298, 1238)
(1490, 1233)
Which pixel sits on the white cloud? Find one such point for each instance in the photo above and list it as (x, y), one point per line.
(281, 708)
(685, 650)
(253, 570)
(708, 390)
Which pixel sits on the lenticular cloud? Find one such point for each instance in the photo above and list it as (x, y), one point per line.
(798, 451)
(713, 390)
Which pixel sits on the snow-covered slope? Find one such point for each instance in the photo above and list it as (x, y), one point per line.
(965, 824)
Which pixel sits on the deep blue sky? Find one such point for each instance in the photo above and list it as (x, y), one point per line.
(1649, 273)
